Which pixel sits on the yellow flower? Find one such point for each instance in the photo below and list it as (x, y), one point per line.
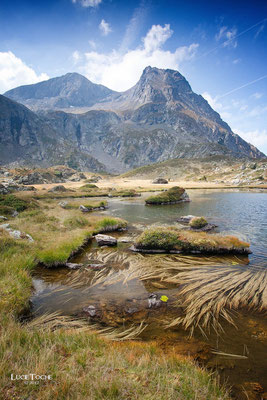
(164, 298)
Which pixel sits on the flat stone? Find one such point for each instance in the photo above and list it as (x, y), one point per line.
(105, 240)
(74, 265)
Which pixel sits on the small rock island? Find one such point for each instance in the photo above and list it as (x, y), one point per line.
(173, 195)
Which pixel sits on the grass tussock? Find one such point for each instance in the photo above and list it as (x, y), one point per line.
(198, 222)
(186, 241)
(91, 206)
(89, 186)
(108, 224)
(171, 195)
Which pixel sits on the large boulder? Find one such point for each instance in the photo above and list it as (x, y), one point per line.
(58, 188)
(105, 240)
(160, 181)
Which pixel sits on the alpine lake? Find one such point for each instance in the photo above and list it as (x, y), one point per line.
(210, 312)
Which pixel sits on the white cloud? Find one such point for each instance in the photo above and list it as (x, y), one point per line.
(258, 111)
(228, 36)
(119, 71)
(87, 3)
(261, 29)
(257, 95)
(14, 72)
(213, 101)
(76, 56)
(257, 137)
(135, 25)
(105, 27)
(92, 44)
(236, 61)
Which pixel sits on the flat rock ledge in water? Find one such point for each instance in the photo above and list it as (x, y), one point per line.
(105, 240)
(74, 266)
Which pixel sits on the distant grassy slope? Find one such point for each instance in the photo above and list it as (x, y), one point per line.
(210, 169)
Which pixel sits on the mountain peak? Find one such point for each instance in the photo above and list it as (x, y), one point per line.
(69, 90)
(159, 85)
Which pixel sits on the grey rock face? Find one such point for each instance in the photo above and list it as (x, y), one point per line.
(70, 90)
(27, 139)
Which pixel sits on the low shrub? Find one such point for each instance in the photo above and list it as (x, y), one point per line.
(161, 239)
(14, 202)
(198, 222)
(6, 210)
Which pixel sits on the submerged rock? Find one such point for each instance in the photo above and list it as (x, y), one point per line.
(105, 240)
(96, 266)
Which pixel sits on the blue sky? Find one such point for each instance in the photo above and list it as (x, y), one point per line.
(219, 46)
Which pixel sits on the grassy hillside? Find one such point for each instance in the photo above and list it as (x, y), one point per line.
(213, 169)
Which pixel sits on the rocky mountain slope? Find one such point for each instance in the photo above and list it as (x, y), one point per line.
(70, 90)
(158, 119)
(27, 139)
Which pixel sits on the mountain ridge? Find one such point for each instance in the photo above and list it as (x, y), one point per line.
(157, 119)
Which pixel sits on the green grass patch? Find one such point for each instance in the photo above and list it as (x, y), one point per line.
(171, 195)
(76, 222)
(110, 224)
(88, 186)
(187, 241)
(124, 193)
